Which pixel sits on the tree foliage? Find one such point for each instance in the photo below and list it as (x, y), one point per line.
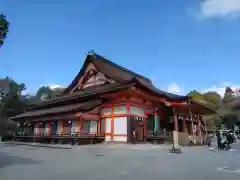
(212, 97)
(12, 102)
(4, 24)
(195, 95)
(47, 93)
(228, 95)
(11, 99)
(228, 108)
(44, 93)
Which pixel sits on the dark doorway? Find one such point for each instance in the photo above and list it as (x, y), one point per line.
(67, 126)
(54, 128)
(136, 124)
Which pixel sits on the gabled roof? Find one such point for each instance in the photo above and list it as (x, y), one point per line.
(85, 94)
(109, 69)
(120, 74)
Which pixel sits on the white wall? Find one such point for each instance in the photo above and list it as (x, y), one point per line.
(108, 125)
(120, 138)
(108, 128)
(120, 125)
(120, 128)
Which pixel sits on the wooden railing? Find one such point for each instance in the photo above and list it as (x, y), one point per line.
(61, 138)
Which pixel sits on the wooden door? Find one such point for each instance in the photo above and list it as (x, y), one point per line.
(139, 131)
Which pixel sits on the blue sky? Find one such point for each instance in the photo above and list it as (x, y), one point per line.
(180, 44)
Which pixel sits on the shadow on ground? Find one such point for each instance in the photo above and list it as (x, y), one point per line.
(7, 160)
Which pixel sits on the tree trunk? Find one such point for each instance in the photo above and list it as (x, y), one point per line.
(3, 120)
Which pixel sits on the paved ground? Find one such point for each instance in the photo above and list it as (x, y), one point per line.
(117, 162)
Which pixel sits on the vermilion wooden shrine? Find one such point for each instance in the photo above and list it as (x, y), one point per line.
(107, 102)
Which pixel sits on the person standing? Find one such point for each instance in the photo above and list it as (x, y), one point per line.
(208, 140)
(219, 139)
(134, 135)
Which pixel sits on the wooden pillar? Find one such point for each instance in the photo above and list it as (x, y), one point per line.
(112, 123)
(193, 133)
(99, 126)
(61, 127)
(36, 127)
(79, 125)
(145, 128)
(184, 123)
(49, 128)
(128, 108)
(192, 125)
(205, 127)
(199, 128)
(198, 125)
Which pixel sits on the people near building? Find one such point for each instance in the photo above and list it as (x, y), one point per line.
(208, 140)
(219, 139)
(134, 135)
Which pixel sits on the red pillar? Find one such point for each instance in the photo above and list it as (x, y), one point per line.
(37, 133)
(49, 128)
(79, 125)
(112, 123)
(199, 125)
(191, 119)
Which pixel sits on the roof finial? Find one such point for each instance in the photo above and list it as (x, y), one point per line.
(91, 52)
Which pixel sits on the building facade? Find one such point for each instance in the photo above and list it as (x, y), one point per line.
(109, 102)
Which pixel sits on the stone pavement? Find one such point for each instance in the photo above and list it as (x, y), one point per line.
(117, 162)
(62, 146)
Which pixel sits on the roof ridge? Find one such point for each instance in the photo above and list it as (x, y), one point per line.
(99, 57)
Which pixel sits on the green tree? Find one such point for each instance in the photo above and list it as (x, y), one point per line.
(195, 95)
(228, 95)
(46, 93)
(4, 24)
(12, 102)
(230, 119)
(212, 97)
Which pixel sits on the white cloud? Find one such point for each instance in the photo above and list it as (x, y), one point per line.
(221, 89)
(54, 86)
(220, 8)
(175, 88)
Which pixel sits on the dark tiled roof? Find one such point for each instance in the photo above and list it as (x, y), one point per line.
(112, 70)
(120, 74)
(86, 93)
(83, 107)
